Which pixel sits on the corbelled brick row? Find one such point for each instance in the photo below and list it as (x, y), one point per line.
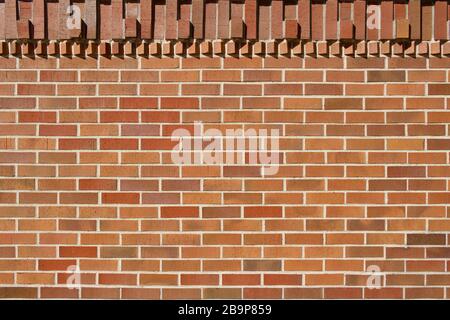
(150, 27)
(225, 19)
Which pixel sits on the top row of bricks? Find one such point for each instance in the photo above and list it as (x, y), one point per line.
(316, 20)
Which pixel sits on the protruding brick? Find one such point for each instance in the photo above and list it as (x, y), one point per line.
(246, 48)
(105, 48)
(154, 48)
(129, 49)
(92, 49)
(402, 28)
(272, 47)
(346, 30)
(219, 47)
(167, 48)
(322, 48)
(435, 48)
(184, 29)
(205, 47)
(422, 48)
(284, 47)
(309, 48)
(131, 27)
(410, 48)
(116, 48)
(259, 48)
(194, 48)
(237, 28)
(385, 47)
(335, 48)
(291, 28)
(66, 48)
(231, 48)
(179, 48)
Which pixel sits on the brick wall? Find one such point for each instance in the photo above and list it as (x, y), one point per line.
(93, 205)
(87, 179)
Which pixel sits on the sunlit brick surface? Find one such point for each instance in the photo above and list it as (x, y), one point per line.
(87, 178)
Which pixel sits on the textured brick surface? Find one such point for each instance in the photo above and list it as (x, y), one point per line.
(146, 19)
(87, 179)
(86, 175)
